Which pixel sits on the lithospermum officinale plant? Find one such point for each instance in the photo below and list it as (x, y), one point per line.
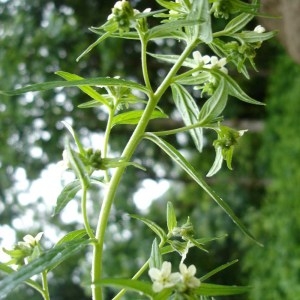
(187, 22)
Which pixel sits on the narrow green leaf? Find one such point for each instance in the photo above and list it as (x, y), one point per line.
(133, 117)
(128, 284)
(29, 282)
(68, 193)
(253, 37)
(170, 58)
(86, 89)
(218, 269)
(44, 262)
(98, 81)
(234, 89)
(189, 111)
(216, 167)
(171, 217)
(203, 30)
(215, 105)
(209, 289)
(75, 136)
(153, 226)
(77, 165)
(189, 169)
(164, 29)
(155, 260)
(238, 23)
(90, 104)
(93, 45)
(70, 236)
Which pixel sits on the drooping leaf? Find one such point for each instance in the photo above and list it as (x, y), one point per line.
(153, 226)
(68, 193)
(189, 169)
(155, 260)
(46, 261)
(86, 89)
(234, 89)
(133, 117)
(98, 81)
(215, 105)
(189, 111)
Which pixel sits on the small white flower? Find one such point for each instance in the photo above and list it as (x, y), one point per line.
(199, 59)
(120, 4)
(64, 164)
(218, 64)
(241, 132)
(163, 278)
(187, 276)
(30, 241)
(259, 29)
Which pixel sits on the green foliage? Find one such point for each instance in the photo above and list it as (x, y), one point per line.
(190, 23)
(274, 269)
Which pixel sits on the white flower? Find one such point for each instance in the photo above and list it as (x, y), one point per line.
(241, 132)
(163, 278)
(30, 241)
(218, 64)
(64, 164)
(259, 29)
(120, 4)
(187, 276)
(199, 59)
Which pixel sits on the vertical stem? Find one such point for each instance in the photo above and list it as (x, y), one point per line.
(45, 286)
(115, 180)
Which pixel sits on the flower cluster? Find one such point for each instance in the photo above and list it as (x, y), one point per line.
(182, 281)
(209, 62)
(124, 15)
(25, 251)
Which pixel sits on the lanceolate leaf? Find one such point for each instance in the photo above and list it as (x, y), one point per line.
(155, 260)
(171, 217)
(86, 89)
(203, 31)
(189, 111)
(153, 226)
(128, 284)
(189, 169)
(215, 105)
(238, 23)
(70, 236)
(133, 117)
(98, 81)
(46, 261)
(234, 89)
(218, 269)
(68, 193)
(208, 289)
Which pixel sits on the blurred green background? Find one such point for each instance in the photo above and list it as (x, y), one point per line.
(38, 38)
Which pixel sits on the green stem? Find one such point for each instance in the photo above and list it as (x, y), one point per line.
(115, 180)
(111, 114)
(45, 286)
(84, 211)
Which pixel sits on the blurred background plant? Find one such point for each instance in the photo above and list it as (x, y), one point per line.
(40, 37)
